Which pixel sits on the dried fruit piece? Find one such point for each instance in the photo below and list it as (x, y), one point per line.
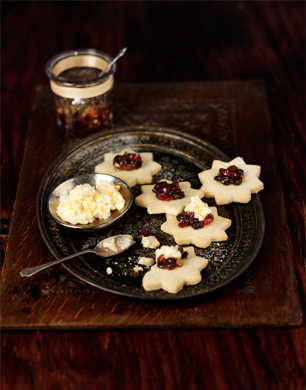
(127, 162)
(168, 191)
(170, 257)
(187, 219)
(231, 175)
(142, 231)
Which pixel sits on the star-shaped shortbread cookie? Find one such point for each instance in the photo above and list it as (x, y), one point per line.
(174, 280)
(155, 206)
(200, 237)
(227, 194)
(141, 175)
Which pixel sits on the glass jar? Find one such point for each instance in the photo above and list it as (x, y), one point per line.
(83, 98)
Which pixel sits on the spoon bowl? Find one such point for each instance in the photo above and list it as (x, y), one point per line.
(108, 247)
(92, 179)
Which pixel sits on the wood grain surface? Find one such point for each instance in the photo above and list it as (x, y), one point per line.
(214, 111)
(168, 42)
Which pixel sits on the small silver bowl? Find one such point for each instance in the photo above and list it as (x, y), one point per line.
(92, 179)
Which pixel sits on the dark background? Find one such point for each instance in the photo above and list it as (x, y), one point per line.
(169, 41)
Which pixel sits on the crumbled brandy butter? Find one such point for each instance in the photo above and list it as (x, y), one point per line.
(170, 257)
(199, 208)
(85, 203)
(111, 244)
(168, 251)
(121, 243)
(145, 261)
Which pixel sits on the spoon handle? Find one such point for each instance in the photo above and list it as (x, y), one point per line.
(31, 271)
(120, 54)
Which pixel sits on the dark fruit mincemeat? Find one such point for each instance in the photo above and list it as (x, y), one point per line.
(171, 262)
(127, 162)
(168, 191)
(188, 219)
(231, 175)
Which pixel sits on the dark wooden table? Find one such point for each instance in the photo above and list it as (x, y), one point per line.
(168, 42)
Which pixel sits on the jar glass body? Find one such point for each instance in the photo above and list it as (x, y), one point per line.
(83, 98)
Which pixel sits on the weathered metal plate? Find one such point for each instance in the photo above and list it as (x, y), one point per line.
(182, 157)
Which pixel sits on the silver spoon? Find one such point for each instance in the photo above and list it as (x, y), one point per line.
(120, 54)
(122, 242)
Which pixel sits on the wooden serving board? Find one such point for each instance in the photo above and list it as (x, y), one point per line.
(234, 117)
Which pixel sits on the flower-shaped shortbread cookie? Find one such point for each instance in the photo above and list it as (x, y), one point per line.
(226, 194)
(155, 206)
(141, 175)
(202, 237)
(174, 280)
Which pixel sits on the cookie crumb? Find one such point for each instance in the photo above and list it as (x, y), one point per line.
(109, 270)
(150, 242)
(137, 268)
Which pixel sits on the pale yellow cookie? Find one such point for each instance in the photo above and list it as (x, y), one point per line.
(150, 242)
(200, 237)
(227, 194)
(174, 280)
(141, 175)
(155, 206)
